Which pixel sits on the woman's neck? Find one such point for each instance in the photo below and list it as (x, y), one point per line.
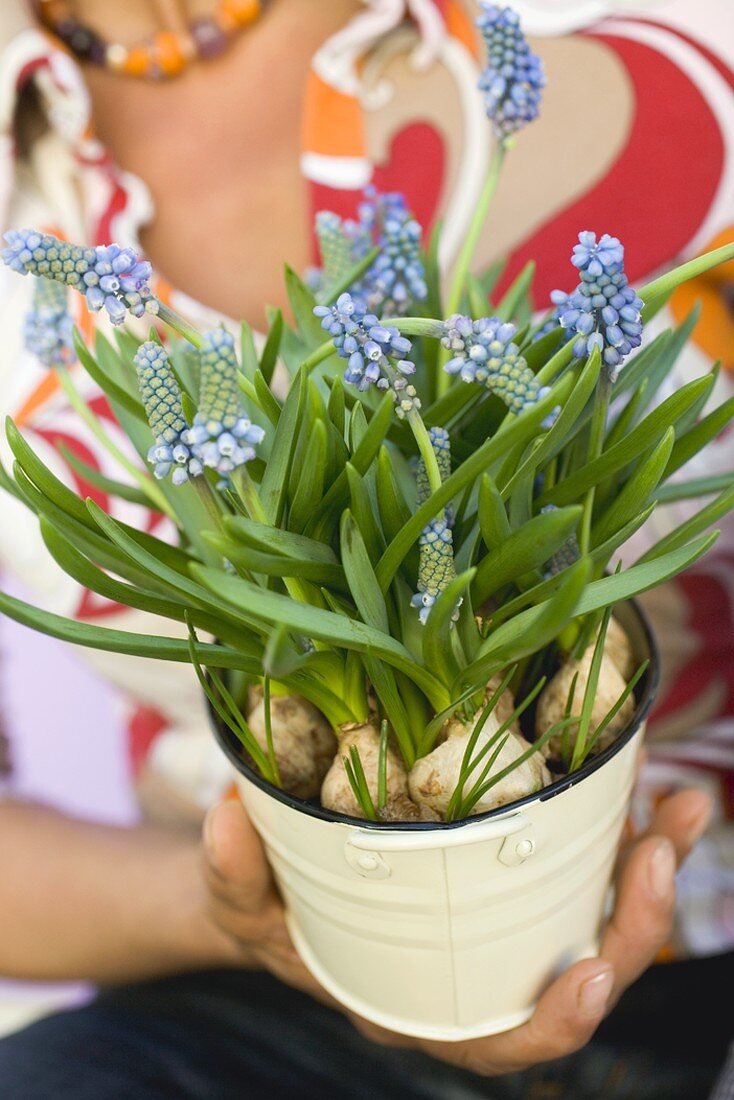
(219, 148)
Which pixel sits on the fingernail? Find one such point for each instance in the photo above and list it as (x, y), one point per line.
(661, 869)
(594, 993)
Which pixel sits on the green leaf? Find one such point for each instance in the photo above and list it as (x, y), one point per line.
(648, 433)
(107, 384)
(100, 481)
(269, 357)
(509, 305)
(493, 522)
(317, 623)
(311, 482)
(122, 641)
(694, 489)
(362, 458)
(336, 406)
(531, 630)
(273, 565)
(438, 652)
(267, 399)
(636, 493)
(692, 527)
(364, 513)
(696, 439)
(273, 540)
(526, 549)
(642, 576)
(561, 429)
(47, 483)
(302, 303)
(659, 290)
(522, 427)
(274, 483)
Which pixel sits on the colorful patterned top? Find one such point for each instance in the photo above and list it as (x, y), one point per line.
(391, 100)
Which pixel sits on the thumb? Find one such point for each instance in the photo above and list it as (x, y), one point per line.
(236, 867)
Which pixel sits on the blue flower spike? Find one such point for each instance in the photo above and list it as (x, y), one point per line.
(441, 444)
(375, 353)
(111, 278)
(513, 79)
(48, 327)
(483, 351)
(435, 567)
(222, 438)
(603, 311)
(397, 277)
(170, 454)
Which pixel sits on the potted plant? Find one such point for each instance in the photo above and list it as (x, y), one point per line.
(396, 580)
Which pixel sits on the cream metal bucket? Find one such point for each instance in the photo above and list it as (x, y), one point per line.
(453, 931)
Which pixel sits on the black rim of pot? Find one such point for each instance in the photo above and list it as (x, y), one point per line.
(644, 695)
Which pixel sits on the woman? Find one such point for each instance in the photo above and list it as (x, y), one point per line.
(207, 171)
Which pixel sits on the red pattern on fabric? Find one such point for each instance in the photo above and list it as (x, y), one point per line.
(666, 177)
(711, 620)
(144, 727)
(417, 144)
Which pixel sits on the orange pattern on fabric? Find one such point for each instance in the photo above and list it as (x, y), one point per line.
(714, 333)
(460, 26)
(332, 121)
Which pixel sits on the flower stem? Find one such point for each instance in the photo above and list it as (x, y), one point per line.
(468, 249)
(426, 449)
(596, 442)
(323, 352)
(169, 317)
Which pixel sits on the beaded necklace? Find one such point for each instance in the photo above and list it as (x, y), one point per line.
(163, 55)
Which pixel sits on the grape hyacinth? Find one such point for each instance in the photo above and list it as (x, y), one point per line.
(603, 310)
(441, 444)
(375, 353)
(566, 556)
(513, 78)
(397, 277)
(435, 568)
(162, 402)
(221, 437)
(47, 330)
(482, 351)
(111, 278)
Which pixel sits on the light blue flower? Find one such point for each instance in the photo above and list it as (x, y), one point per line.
(48, 327)
(566, 556)
(222, 438)
(375, 353)
(483, 351)
(603, 311)
(435, 568)
(162, 402)
(397, 277)
(111, 278)
(513, 79)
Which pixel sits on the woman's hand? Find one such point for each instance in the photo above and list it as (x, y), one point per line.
(243, 901)
(245, 904)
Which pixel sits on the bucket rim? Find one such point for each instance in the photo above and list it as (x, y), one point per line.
(648, 686)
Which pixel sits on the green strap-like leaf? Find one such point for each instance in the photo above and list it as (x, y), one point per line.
(636, 493)
(526, 549)
(365, 590)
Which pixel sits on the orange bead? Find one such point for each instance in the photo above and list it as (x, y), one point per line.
(239, 12)
(137, 62)
(169, 53)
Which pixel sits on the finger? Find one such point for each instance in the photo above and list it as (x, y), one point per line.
(236, 869)
(683, 818)
(564, 1020)
(642, 920)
